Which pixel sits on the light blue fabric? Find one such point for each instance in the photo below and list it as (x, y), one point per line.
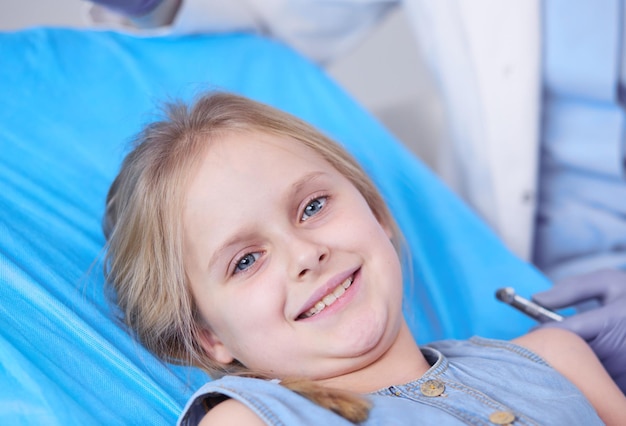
(479, 377)
(71, 100)
(582, 42)
(582, 204)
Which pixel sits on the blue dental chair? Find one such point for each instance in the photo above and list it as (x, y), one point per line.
(70, 102)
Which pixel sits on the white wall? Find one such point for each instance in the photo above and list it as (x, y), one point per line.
(385, 73)
(17, 14)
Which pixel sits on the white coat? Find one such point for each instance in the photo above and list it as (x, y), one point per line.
(485, 54)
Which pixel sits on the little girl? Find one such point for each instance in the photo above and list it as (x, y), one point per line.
(244, 242)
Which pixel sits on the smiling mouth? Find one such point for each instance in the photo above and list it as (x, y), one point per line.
(328, 300)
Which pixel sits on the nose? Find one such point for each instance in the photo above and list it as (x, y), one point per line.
(307, 256)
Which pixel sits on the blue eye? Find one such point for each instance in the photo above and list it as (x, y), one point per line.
(246, 261)
(313, 207)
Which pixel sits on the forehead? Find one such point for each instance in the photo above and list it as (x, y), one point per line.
(240, 168)
(247, 159)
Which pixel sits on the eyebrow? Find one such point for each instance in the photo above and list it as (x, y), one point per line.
(304, 181)
(296, 187)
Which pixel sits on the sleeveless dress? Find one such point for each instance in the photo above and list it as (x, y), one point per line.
(477, 381)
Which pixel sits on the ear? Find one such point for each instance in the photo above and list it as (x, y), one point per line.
(214, 347)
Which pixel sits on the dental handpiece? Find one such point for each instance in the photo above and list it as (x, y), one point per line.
(528, 307)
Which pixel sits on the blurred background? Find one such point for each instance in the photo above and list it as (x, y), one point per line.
(385, 73)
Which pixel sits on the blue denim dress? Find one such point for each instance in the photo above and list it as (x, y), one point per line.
(477, 382)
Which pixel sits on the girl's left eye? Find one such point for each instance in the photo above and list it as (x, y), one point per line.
(313, 207)
(246, 261)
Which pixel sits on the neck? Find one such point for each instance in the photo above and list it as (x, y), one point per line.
(403, 362)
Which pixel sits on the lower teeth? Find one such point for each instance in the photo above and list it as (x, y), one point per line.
(316, 310)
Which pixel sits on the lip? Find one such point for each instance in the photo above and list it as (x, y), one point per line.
(325, 289)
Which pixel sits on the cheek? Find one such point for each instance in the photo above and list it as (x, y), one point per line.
(359, 223)
(379, 238)
(240, 316)
(254, 338)
(386, 257)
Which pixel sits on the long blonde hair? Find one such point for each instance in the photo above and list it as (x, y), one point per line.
(144, 258)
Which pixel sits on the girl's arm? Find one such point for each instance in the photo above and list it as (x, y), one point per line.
(572, 357)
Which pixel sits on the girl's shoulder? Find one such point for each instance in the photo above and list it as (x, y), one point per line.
(549, 343)
(231, 411)
(570, 355)
(252, 401)
(225, 398)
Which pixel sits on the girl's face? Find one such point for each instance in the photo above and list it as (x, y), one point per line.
(289, 267)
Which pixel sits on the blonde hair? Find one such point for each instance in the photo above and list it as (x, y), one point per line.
(144, 258)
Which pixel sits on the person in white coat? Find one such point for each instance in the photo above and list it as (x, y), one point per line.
(533, 95)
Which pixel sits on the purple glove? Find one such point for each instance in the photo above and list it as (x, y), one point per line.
(129, 7)
(604, 328)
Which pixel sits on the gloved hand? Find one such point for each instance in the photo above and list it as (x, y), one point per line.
(129, 7)
(604, 328)
(142, 13)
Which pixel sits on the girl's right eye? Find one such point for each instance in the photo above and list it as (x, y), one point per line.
(246, 261)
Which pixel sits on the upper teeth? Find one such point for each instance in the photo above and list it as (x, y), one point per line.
(329, 299)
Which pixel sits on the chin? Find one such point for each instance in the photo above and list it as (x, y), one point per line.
(366, 334)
